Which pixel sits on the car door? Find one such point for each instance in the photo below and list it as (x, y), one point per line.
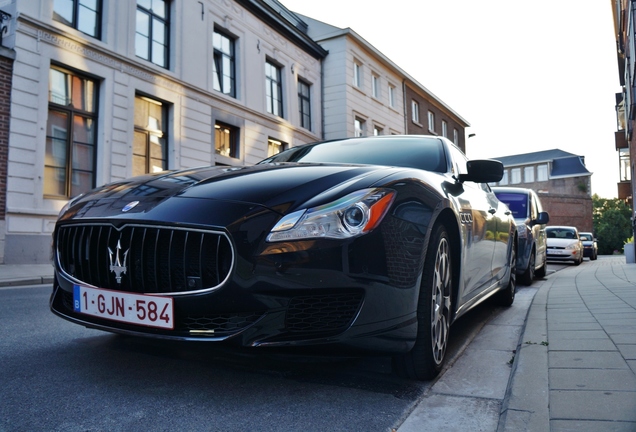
(501, 215)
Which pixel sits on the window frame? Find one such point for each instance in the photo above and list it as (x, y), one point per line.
(515, 176)
(358, 126)
(375, 85)
(274, 89)
(75, 22)
(234, 150)
(415, 111)
(282, 146)
(528, 174)
(431, 121)
(71, 144)
(357, 74)
(304, 103)
(542, 173)
(218, 63)
(391, 95)
(161, 133)
(152, 18)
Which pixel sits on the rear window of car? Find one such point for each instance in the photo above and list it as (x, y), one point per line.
(410, 152)
(586, 237)
(563, 233)
(517, 203)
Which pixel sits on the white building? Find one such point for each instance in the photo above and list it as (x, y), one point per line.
(103, 90)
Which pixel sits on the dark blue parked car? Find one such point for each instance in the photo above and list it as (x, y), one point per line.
(531, 220)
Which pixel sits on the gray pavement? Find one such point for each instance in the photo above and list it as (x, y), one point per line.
(562, 358)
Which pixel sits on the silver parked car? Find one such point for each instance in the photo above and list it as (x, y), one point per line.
(531, 221)
(564, 244)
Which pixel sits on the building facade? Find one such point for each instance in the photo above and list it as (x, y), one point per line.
(561, 180)
(373, 95)
(105, 90)
(624, 14)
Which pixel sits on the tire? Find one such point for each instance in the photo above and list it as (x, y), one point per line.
(528, 276)
(506, 296)
(542, 271)
(594, 256)
(426, 359)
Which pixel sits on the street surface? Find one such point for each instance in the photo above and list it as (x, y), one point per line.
(58, 376)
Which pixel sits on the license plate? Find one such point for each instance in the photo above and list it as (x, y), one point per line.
(150, 311)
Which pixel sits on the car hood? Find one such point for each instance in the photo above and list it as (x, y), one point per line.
(557, 242)
(278, 187)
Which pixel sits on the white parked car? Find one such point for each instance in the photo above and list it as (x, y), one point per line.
(564, 244)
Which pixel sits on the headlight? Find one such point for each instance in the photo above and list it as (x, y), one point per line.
(350, 216)
(572, 246)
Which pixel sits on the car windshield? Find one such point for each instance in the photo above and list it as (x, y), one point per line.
(563, 233)
(411, 152)
(585, 237)
(517, 203)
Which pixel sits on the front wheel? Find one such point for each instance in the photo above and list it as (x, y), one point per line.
(528, 276)
(426, 358)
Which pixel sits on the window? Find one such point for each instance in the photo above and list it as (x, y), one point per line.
(377, 130)
(226, 140)
(71, 132)
(358, 127)
(515, 175)
(223, 67)
(504, 179)
(528, 174)
(83, 15)
(151, 38)
(415, 112)
(542, 172)
(431, 121)
(391, 96)
(304, 104)
(444, 129)
(273, 89)
(375, 86)
(456, 136)
(150, 142)
(274, 147)
(357, 75)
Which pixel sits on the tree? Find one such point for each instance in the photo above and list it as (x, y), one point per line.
(612, 224)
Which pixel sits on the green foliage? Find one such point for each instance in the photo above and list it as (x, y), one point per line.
(612, 224)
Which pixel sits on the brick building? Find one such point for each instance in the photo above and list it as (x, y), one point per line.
(561, 180)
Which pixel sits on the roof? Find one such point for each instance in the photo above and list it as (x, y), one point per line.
(563, 164)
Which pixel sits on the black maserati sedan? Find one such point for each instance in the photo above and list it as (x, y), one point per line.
(357, 246)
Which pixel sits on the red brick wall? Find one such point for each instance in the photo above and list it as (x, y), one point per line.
(6, 73)
(569, 210)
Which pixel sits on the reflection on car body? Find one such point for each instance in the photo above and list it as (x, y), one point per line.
(361, 245)
(531, 221)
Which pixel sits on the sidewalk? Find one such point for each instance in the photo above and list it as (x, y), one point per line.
(575, 368)
(25, 274)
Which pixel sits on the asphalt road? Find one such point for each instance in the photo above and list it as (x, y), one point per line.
(58, 376)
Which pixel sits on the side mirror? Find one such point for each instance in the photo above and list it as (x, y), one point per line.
(483, 171)
(543, 218)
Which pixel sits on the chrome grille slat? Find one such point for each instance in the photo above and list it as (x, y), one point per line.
(158, 260)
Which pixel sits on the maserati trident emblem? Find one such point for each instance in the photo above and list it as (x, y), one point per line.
(117, 266)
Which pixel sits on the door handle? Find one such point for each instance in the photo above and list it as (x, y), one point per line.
(492, 211)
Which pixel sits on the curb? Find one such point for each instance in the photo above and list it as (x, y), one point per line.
(41, 280)
(526, 404)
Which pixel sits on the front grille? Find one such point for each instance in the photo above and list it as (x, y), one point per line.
(144, 259)
(221, 324)
(322, 313)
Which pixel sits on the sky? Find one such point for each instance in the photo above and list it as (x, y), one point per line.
(527, 75)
